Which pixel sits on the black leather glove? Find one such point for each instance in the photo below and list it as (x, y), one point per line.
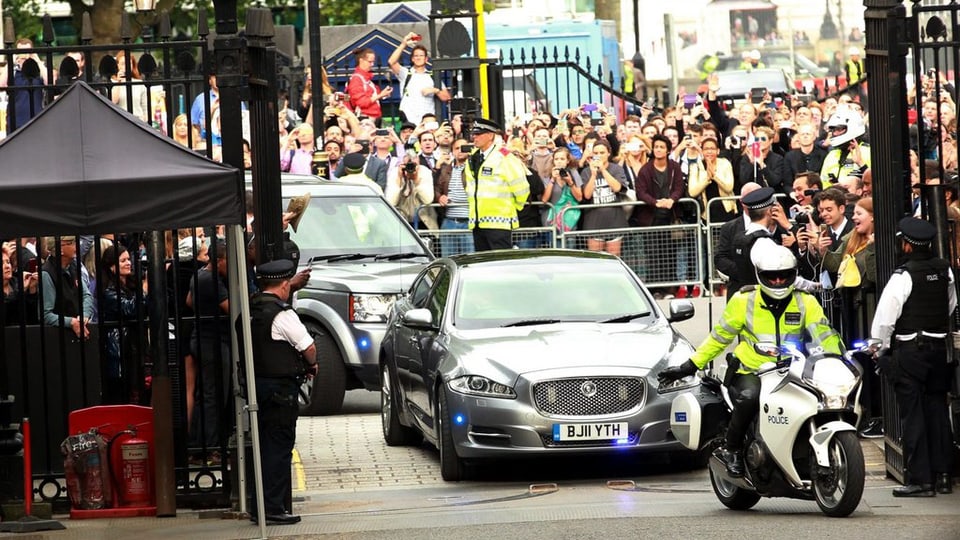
(675, 373)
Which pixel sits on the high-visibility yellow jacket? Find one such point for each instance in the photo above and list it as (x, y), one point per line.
(801, 323)
(833, 166)
(854, 71)
(496, 189)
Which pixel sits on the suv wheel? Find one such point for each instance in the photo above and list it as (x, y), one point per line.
(323, 394)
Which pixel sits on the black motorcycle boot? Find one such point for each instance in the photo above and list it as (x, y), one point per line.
(733, 459)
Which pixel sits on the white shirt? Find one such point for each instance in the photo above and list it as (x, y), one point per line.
(287, 327)
(890, 305)
(413, 103)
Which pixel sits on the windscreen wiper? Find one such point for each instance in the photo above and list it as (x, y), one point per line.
(530, 322)
(398, 256)
(342, 257)
(626, 318)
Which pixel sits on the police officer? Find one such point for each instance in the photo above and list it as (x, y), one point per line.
(913, 318)
(773, 310)
(497, 188)
(760, 205)
(283, 351)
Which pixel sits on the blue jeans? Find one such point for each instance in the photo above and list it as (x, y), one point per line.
(452, 244)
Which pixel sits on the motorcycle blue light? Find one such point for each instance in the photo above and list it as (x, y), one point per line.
(858, 344)
(363, 343)
(459, 419)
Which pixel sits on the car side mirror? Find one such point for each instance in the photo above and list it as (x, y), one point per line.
(680, 310)
(418, 318)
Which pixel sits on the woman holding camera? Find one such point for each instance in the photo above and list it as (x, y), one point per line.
(604, 181)
(364, 94)
(13, 291)
(410, 188)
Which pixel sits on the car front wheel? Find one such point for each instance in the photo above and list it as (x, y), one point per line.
(452, 467)
(323, 395)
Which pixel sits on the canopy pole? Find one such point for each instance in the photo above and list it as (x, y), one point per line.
(241, 308)
(161, 394)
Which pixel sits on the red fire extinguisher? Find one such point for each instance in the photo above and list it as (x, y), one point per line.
(133, 477)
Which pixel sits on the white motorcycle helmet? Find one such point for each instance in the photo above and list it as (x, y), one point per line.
(776, 268)
(844, 126)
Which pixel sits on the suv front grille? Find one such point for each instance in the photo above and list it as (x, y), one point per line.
(588, 396)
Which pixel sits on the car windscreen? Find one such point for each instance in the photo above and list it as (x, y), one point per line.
(524, 293)
(344, 225)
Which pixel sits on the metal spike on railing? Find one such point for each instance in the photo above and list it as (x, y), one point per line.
(511, 56)
(566, 53)
(587, 64)
(523, 56)
(203, 27)
(533, 55)
(544, 53)
(576, 55)
(599, 72)
(165, 25)
(125, 32)
(48, 35)
(86, 29)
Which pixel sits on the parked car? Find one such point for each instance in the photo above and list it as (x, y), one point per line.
(362, 255)
(529, 352)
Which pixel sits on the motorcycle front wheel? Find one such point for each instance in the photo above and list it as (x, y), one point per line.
(839, 489)
(733, 497)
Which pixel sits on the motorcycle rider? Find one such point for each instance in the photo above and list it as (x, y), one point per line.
(913, 314)
(772, 311)
(848, 153)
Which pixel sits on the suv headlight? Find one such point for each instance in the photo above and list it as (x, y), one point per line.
(475, 385)
(371, 307)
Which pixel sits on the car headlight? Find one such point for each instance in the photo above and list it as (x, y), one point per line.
(680, 353)
(371, 307)
(475, 385)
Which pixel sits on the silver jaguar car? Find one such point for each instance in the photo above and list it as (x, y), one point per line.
(524, 352)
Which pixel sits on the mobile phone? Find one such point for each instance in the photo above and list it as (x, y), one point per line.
(596, 122)
(467, 148)
(689, 100)
(382, 133)
(431, 126)
(589, 107)
(541, 141)
(32, 265)
(339, 96)
(364, 147)
(823, 228)
(756, 94)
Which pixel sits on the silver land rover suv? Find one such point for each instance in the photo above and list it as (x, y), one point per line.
(362, 255)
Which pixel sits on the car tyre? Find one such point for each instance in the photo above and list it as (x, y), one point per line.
(452, 467)
(323, 395)
(394, 432)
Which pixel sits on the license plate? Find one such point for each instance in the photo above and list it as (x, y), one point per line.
(601, 431)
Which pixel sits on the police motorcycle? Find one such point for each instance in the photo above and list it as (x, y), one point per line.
(803, 443)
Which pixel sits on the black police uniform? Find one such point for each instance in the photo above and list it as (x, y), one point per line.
(277, 368)
(741, 245)
(918, 370)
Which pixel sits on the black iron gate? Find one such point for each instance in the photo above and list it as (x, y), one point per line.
(169, 85)
(912, 56)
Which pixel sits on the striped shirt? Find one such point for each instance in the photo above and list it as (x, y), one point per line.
(456, 195)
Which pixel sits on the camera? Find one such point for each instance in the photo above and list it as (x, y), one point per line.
(409, 167)
(736, 141)
(382, 133)
(541, 141)
(467, 148)
(801, 218)
(564, 173)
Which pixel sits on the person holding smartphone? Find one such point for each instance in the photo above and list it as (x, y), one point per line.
(417, 87)
(19, 290)
(604, 181)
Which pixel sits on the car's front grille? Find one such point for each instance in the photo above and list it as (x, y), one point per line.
(588, 396)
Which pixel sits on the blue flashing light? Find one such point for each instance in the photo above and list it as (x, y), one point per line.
(791, 346)
(363, 343)
(621, 442)
(858, 344)
(459, 419)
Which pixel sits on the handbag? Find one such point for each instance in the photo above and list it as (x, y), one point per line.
(849, 273)
(566, 213)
